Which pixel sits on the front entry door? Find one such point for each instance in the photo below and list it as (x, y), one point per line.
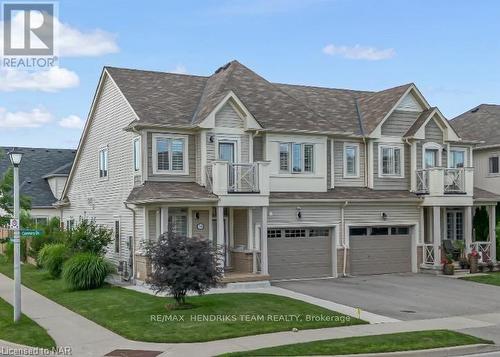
(227, 150)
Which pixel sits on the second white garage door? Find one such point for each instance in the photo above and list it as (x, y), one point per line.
(299, 252)
(379, 250)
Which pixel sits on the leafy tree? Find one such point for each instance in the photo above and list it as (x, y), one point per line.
(52, 233)
(181, 264)
(481, 224)
(88, 237)
(7, 196)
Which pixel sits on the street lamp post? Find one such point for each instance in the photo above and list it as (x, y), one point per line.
(15, 159)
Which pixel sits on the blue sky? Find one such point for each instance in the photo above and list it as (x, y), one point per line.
(450, 49)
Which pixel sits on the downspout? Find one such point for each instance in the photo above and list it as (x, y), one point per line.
(133, 240)
(344, 245)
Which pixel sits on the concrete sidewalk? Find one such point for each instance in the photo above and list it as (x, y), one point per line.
(89, 339)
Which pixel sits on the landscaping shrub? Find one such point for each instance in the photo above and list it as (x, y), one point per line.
(88, 237)
(86, 271)
(52, 258)
(52, 233)
(181, 264)
(9, 250)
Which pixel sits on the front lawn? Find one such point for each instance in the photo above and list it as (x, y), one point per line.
(405, 341)
(143, 317)
(25, 332)
(489, 278)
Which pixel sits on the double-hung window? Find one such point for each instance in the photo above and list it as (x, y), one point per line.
(103, 163)
(391, 160)
(136, 145)
(494, 165)
(296, 158)
(170, 154)
(351, 160)
(457, 158)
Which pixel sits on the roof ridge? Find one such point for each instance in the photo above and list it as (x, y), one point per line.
(8, 147)
(155, 71)
(321, 87)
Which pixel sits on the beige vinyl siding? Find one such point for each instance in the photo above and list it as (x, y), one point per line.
(433, 132)
(287, 215)
(258, 148)
(191, 177)
(391, 183)
(102, 199)
(227, 117)
(244, 143)
(203, 219)
(339, 165)
(240, 227)
(152, 225)
(371, 214)
(399, 122)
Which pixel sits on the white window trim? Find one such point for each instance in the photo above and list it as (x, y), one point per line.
(103, 178)
(155, 154)
(236, 140)
(432, 146)
(344, 159)
(290, 172)
(401, 159)
(139, 155)
(461, 149)
(493, 174)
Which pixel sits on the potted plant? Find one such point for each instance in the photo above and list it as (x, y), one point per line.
(473, 261)
(462, 260)
(448, 267)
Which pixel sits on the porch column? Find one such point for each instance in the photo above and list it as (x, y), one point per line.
(493, 239)
(220, 232)
(250, 245)
(263, 246)
(436, 235)
(468, 229)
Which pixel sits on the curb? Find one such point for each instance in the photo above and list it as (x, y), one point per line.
(437, 352)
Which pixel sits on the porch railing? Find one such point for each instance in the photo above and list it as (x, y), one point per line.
(422, 181)
(484, 250)
(454, 180)
(209, 177)
(243, 178)
(428, 254)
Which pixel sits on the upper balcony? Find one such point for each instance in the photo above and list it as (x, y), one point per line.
(239, 184)
(449, 184)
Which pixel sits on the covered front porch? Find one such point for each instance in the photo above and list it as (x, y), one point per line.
(457, 231)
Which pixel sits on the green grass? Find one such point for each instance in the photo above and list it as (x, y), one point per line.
(25, 332)
(405, 341)
(135, 315)
(489, 278)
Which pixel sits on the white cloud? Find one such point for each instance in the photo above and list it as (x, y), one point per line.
(71, 42)
(180, 69)
(359, 52)
(32, 119)
(72, 122)
(51, 80)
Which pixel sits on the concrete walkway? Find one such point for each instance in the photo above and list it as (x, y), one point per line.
(89, 339)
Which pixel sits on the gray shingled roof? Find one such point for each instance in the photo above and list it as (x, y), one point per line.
(153, 191)
(184, 101)
(346, 193)
(483, 195)
(418, 123)
(481, 123)
(36, 164)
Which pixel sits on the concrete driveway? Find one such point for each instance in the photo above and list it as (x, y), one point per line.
(404, 296)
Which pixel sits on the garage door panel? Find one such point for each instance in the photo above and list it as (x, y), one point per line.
(299, 257)
(380, 254)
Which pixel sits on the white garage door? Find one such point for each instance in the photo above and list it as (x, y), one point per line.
(299, 252)
(379, 250)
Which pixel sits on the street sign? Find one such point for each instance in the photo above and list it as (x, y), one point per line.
(14, 224)
(31, 232)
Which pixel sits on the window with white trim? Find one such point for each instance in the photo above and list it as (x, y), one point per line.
(457, 158)
(351, 160)
(296, 158)
(103, 163)
(494, 165)
(136, 145)
(391, 160)
(170, 154)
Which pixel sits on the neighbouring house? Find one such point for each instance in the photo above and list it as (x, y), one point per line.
(482, 124)
(292, 181)
(42, 176)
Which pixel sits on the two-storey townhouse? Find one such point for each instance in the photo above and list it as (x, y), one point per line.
(291, 181)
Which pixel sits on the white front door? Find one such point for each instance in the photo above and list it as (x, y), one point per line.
(455, 224)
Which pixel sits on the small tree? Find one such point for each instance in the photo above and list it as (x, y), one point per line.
(88, 237)
(481, 224)
(181, 264)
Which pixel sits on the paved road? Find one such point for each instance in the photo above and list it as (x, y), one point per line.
(404, 296)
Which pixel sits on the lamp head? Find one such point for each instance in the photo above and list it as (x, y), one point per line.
(15, 157)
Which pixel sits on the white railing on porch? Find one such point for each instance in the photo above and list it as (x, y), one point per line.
(243, 178)
(428, 254)
(454, 180)
(484, 250)
(438, 181)
(209, 177)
